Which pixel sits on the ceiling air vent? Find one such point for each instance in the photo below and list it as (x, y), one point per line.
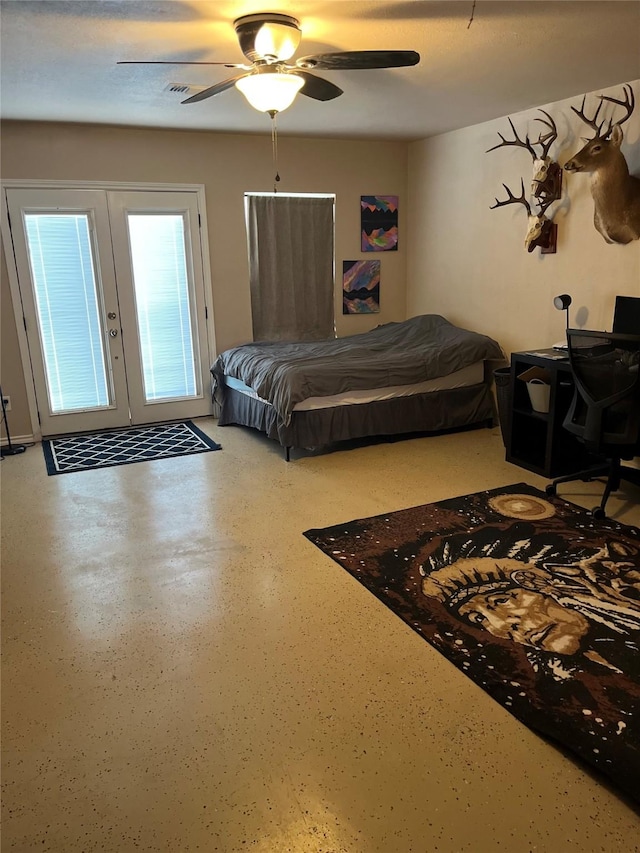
(179, 88)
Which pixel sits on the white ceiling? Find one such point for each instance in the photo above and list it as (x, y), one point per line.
(58, 61)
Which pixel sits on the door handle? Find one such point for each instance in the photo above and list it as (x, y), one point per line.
(113, 333)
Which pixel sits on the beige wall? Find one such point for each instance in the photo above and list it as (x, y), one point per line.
(457, 257)
(10, 366)
(228, 166)
(468, 262)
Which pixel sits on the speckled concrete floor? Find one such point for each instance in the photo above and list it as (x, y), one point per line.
(184, 671)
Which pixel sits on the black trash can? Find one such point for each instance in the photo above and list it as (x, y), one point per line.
(502, 378)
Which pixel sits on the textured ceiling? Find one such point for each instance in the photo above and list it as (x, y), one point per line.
(58, 61)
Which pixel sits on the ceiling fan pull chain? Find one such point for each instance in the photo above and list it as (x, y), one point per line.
(274, 148)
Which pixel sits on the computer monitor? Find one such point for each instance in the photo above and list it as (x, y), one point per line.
(626, 315)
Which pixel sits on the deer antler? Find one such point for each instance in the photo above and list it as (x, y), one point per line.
(628, 104)
(517, 141)
(547, 140)
(512, 199)
(591, 122)
(544, 203)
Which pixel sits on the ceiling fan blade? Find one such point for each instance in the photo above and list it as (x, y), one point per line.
(178, 62)
(359, 59)
(317, 87)
(213, 90)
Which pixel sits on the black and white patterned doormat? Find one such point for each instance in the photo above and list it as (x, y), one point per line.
(122, 447)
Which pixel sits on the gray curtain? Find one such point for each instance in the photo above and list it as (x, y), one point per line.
(291, 267)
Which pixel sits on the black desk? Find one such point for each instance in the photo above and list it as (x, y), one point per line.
(537, 441)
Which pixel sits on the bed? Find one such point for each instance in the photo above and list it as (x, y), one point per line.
(420, 375)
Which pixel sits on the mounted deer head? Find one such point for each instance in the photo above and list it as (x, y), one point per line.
(547, 174)
(616, 193)
(541, 231)
(546, 181)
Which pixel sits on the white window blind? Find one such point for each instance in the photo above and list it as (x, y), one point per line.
(163, 308)
(67, 304)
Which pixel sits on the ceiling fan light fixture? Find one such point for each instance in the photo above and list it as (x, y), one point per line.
(278, 41)
(270, 92)
(268, 36)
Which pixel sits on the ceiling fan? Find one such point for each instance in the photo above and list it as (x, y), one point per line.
(269, 83)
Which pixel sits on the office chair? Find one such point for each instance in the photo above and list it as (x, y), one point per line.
(605, 411)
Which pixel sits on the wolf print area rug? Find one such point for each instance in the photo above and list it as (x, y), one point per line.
(533, 599)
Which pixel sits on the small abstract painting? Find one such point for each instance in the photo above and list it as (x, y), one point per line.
(360, 287)
(379, 223)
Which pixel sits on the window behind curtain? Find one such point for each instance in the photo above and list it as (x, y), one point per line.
(291, 266)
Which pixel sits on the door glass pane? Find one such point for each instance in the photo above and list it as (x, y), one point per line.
(63, 272)
(162, 305)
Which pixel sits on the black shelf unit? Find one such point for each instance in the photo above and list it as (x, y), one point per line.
(537, 441)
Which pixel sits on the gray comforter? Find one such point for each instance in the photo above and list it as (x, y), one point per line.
(415, 350)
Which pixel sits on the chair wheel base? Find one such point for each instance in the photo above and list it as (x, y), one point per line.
(550, 490)
(598, 512)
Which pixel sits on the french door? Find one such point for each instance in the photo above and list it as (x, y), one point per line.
(113, 297)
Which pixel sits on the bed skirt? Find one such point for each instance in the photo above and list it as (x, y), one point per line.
(431, 412)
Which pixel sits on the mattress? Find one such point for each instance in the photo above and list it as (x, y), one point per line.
(286, 373)
(473, 374)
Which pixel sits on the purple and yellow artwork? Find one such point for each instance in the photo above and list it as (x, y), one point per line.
(360, 287)
(379, 223)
